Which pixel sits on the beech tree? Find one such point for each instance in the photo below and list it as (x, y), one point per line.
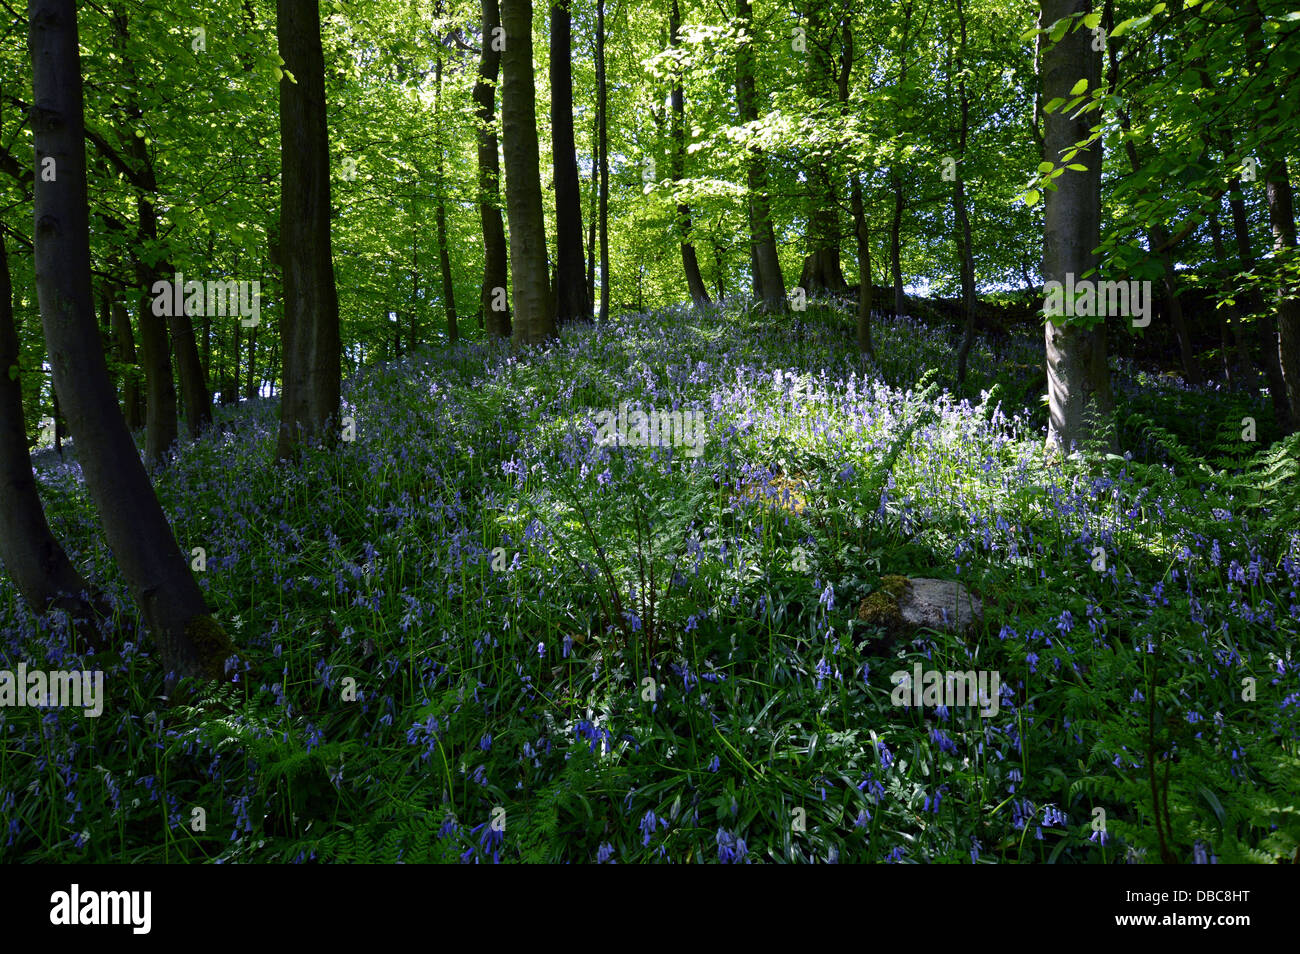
(309, 400)
(35, 560)
(570, 280)
(534, 319)
(1077, 375)
(493, 305)
(765, 262)
(190, 642)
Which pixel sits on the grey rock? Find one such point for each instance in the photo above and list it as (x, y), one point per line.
(943, 605)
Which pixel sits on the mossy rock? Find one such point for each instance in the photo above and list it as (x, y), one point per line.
(904, 605)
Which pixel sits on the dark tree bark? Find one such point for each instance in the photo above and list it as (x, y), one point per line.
(440, 219)
(690, 261)
(495, 256)
(180, 330)
(965, 250)
(900, 201)
(250, 388)
(534, 320)
(1265, 324)
(1236, 355)
(309, 401)
(571, 302)
(769, 283)
(1281, 215)
(822, 274)
(1157, 240)
(1269, 328)
(856, 208)
(34, 560)
(602, 159)
(1078, 378)
(189, 641)
(155, 350)
(895, 245)
(124, 344)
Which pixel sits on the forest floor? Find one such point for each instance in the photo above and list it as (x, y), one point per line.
(485, 630)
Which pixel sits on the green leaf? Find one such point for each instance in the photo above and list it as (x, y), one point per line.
(1053, 105)
(1078, 87)
(1077, 167)
(1045, 167)
(1092, 20)
(1032, 197)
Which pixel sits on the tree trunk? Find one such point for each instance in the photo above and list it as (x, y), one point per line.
(895, 246)
(1265, 325)
(1281, 216)
(965, 249)
(860, 232)
(155, 349)
(35, 561)
(179, 328)
(1236, 356)
(534, 320)
(124, 338)
(440, 219)
(309, 402)
(769, 283)
(690, 261)
(250, 389)
(495, 258)
(571, 302)
(1078, 378)
(602, 144)
(190, 642)
(822, 274)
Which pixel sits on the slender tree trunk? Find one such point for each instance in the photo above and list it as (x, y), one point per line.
(179, 328)
(35, 561)
(1265, 324)
(493, 304)
(900, 202)
(534, 321)
(1236, 356)
(1156, 238)
(690, 261)
(571, 302)
(124, 338)
(155, 350)
(309, 402)
(415, 291)
(965, 247)
(250, 389)
(1269, 328)
(822, 273)
(895, 246)
(592, 209)
(440, 219)
(602, 144)
(769, 285)
(856, 208)
(190, 642)
(1281, 214)
(1078, 378)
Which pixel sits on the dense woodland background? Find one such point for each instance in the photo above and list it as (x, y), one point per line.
(407, 586)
